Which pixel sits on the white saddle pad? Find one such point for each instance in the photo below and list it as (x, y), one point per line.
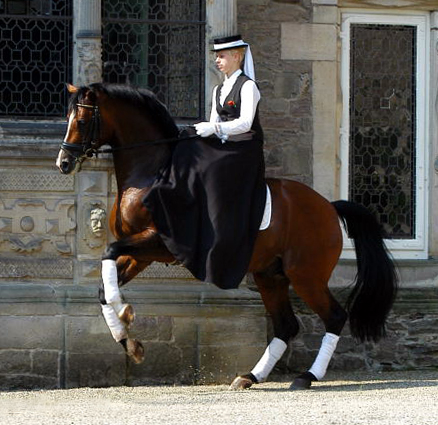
(268, 210)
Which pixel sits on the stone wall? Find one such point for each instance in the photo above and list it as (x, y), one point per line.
(286, 104)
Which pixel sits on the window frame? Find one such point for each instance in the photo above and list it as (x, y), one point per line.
(416, 248)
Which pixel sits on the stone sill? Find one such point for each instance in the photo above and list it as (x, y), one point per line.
(168, 294)
(412, 273)
(430, 262)
(418, 299)
(31, 132)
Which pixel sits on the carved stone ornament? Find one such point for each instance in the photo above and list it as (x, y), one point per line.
(25, 224)
(89, 64)
(95, 225)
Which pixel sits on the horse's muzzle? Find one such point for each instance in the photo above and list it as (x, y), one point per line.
(67, 164)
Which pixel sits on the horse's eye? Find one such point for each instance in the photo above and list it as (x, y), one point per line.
(81, 122)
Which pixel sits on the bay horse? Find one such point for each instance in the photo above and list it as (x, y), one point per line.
(301, 246)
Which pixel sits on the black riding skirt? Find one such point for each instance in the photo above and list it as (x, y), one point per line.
(207, 205)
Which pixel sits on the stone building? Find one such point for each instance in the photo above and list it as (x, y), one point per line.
(349, 93)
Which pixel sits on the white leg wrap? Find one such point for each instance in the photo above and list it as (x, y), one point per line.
(118, 330)
(324, 356)
(272, 354)
(110, 284)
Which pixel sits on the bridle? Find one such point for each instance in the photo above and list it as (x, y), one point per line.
(90, 136)
(90, 139)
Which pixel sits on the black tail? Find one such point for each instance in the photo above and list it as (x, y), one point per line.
(376, 285)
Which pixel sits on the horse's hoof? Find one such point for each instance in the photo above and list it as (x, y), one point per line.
(303, 381)
(135, 350)
(127, 315)
(241, 383)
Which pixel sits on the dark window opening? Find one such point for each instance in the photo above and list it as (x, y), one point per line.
(158, 45)
(383, 124)
(35, 57)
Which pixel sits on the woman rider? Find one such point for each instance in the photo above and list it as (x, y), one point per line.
(208, 204)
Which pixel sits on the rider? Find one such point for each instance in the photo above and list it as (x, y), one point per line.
(208, 204)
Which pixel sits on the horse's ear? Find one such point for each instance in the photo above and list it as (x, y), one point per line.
(72, 89)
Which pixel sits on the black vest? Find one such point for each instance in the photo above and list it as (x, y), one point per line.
(231, 110)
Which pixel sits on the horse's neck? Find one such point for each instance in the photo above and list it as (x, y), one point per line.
(137, 160)
(139, 166)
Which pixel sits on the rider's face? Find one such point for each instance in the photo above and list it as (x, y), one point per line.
(227, 61)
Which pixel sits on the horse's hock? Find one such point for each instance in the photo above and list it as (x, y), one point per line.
(52, 333)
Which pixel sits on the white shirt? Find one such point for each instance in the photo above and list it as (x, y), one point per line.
(249, 96)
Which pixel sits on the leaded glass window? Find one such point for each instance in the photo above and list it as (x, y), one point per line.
(382, 124)
(159, 45)
(35, 57)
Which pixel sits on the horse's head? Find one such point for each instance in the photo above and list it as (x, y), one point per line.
(83, 136)
(117, 115)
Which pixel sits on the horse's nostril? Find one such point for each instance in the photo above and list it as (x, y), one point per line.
(65, 166)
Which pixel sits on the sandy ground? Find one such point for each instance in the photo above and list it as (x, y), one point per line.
(385, 398)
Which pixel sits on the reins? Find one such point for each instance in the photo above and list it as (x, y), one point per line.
(142, 145)
(86, 149)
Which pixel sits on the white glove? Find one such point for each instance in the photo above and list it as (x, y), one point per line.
(204, 129)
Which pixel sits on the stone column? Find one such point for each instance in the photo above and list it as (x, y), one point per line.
(433, 146)
(325, 70)
(87, 52)
(317, 42)
(221, 16)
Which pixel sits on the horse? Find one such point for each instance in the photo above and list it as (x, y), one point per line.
(300, 247)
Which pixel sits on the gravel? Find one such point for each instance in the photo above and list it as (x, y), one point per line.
(383, 398)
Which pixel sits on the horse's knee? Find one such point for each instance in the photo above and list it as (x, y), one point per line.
(111, 252)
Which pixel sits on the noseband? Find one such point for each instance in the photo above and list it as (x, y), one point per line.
(90, 136)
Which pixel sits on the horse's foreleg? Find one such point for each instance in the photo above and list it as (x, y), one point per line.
(114, 275)
(274, 292)
(111, 290)
(122, 261)
(127, 268)
(321, 301)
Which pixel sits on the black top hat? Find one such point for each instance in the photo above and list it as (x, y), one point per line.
(231, 42)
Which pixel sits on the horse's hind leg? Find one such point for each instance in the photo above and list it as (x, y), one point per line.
(274, 289)
(315, 293)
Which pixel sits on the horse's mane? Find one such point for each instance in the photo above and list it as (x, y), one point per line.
(140, 98)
